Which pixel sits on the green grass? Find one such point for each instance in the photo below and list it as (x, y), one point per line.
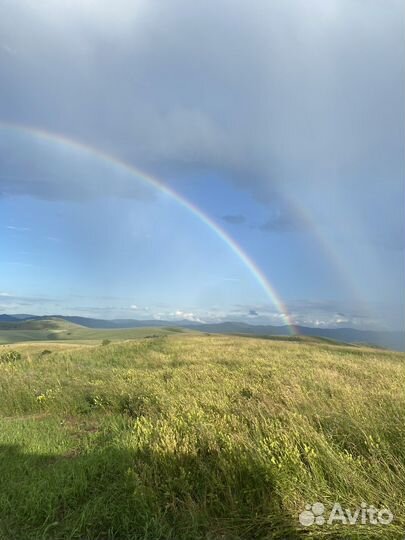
(198, 437)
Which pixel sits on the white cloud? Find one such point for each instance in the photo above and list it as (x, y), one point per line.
(18, 229)
(187, 315)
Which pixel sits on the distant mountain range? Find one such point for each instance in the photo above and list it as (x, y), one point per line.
(388, 339)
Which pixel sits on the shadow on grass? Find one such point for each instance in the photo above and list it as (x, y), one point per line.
(120, 494)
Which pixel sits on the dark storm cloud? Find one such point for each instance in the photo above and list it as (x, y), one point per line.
(296, 92)
(288, 97)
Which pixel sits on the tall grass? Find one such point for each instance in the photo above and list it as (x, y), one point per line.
(187, 437)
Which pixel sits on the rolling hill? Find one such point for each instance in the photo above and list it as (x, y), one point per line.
(388, 339)
(57, 329)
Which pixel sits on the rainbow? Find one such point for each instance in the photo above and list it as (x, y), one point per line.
(249, 263)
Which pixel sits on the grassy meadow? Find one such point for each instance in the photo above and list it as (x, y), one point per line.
(184, 437)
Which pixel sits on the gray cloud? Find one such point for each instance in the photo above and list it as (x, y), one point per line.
(51, 171)
(11, 303)
(302, 98)
(234, 219)
(282, 219)
(162, 86)
(283, 222)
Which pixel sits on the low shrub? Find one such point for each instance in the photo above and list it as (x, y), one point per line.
(10, 356)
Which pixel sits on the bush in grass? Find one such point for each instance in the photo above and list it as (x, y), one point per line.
(97, 401)
(10, 356)
(105, 342)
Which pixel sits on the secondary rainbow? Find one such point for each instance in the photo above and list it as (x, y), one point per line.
(160, 185)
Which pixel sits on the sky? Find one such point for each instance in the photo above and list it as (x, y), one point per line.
(273, 132)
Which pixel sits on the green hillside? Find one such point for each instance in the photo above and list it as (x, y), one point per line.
(187, 437)
(61, 330)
